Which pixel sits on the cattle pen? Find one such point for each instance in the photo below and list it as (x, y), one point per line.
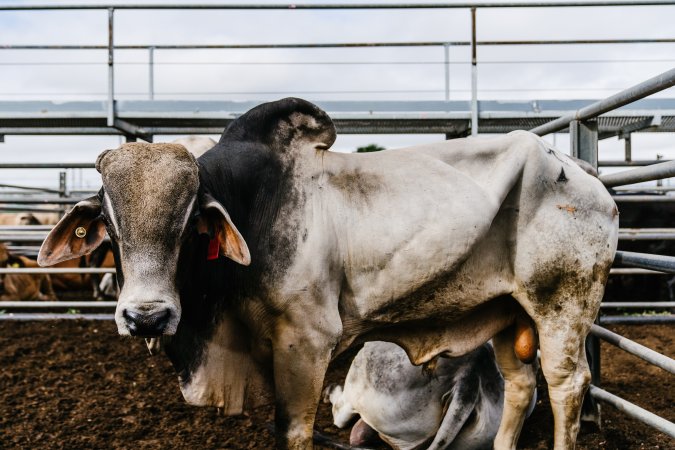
(586, 121)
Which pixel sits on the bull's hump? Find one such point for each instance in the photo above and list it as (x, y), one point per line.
(283, 125)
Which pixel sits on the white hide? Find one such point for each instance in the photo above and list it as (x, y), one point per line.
(197, 145)
(409, 408)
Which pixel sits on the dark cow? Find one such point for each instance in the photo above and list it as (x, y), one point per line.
(437, 248)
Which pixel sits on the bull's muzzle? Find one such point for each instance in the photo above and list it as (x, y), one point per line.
(146, 325)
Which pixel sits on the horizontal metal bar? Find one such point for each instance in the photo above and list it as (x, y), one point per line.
(646, 261)
(24, 237)
(57, 304)
(634, 348)
(620, 163)
(29, 188)
(342, 44)
(652, 319)
(63, 165)
(60, 131)
(23, 249)
(633, 93)
(40, 200)
(647, 236)
(633, 411)
(35, 234)
(622, 271)
(26, 209)
(643, 198)
(310, 6)
(641, 189)
(25, 228)
(26, 317)
(54, 270)
(642, 174)
(637, 305)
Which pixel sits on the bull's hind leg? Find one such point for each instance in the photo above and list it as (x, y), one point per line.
(519, 385)
(563, 361)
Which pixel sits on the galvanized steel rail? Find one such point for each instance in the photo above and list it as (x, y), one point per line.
(640, 90)
(310, 6)
(635, 349)
(633, 411)
(642, 174)
(25, 317)
(646, 261)
(54, 270)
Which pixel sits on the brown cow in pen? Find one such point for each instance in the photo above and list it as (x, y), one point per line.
(23, 286)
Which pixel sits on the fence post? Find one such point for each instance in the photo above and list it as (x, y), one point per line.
(584, 140)
(151, 74)
(111, 70)
(474, 76)
(584, 145)
(628, 147)
(446, 61)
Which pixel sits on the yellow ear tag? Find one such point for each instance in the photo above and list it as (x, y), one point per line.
(80, 232)
(15, 265)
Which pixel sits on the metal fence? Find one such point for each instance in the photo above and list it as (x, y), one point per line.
(582, 126)
(584, 145)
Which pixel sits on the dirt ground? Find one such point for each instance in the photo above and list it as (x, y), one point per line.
(78, 385)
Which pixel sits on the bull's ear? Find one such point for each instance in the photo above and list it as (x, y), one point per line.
(214, 217)
(79, 232)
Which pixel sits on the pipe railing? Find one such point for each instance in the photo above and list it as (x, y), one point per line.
(637, 305)
(53, 270)
(635, 349)
(642, 174)
(332, 6)
(633, 411)
(640, 90)
(646, 261)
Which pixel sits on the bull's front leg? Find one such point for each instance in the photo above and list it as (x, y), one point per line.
(302, 352)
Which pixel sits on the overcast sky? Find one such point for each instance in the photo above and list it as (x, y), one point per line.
(506, 73)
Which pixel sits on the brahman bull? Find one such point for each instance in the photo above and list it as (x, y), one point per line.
(436, 248)
(457, 405)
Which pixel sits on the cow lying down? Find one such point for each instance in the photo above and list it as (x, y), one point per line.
(457, 405)
(270, 255)
(21, 286)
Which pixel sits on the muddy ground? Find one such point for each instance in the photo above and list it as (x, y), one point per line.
(78, 385)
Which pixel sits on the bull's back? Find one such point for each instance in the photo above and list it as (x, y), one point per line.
(444, 222)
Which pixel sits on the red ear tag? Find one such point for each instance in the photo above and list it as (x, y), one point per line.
(214, 248)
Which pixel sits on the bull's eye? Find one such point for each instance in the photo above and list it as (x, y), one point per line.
(80, 232)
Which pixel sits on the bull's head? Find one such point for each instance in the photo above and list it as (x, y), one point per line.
(151, 206)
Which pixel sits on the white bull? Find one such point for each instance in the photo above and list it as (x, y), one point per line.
(437, 248)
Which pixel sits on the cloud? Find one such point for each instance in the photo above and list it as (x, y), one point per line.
(498, 79)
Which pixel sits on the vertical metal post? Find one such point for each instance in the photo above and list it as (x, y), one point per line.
(474, 76)
(62, 183)
(584, 140)
(659, 182)
(628, 147)
(111, 70)
(446, 60)
(63, 190)
(584, 145)
(151, 74)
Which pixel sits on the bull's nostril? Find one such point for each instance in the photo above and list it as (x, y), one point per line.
(146, 325)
